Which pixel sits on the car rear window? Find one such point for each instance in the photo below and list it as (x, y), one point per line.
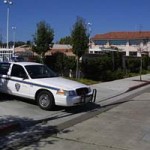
(4, 67)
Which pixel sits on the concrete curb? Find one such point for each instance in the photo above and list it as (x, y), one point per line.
(144, 83)
(8, 128)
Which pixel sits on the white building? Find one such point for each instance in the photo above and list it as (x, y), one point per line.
(128, 42)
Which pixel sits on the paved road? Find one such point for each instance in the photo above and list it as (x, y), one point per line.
(32, 118)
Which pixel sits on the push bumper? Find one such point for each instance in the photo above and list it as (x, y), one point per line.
(88, 98)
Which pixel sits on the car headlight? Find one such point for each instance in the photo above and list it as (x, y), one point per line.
(66, 93)
(61, 92)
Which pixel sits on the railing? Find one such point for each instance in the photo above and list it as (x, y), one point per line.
(6, 54)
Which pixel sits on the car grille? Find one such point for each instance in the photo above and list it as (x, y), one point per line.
(82, 91)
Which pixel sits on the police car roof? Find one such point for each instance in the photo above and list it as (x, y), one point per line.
(26, 63)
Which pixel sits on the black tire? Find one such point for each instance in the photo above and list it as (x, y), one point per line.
(45, 100)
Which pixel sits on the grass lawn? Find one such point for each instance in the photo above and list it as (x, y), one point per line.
(85, 81)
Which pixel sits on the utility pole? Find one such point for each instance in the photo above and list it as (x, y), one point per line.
(8, 3)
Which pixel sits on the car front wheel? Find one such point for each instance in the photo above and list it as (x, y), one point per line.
(45, 100)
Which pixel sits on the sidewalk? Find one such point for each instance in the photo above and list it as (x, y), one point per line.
(114, 88)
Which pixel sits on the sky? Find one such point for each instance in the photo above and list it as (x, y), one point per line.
(104, 15)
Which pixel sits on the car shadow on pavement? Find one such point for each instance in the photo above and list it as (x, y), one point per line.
(82, 108)
(16, 132)
(5, 97)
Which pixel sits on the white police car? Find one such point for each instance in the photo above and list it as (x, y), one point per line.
(36, 81)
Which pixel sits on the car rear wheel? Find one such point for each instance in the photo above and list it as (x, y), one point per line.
(45, 100)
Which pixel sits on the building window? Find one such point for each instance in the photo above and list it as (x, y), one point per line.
(135, 42)
(100, 42)
(133, 53)
(145, 41)
(118, 42)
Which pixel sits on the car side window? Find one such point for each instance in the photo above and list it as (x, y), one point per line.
(4, 67)
(18, 71)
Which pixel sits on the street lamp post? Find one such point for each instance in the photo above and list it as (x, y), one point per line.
(14, 35)
(140, 50)
(90, 30)
(8, 2)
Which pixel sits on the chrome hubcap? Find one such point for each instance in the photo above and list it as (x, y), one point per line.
(44, 100)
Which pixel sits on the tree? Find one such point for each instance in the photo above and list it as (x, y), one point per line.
(65, 40)
(80, 37)
(28, 43)
(43, 38)
(80, 40)
(60, 63)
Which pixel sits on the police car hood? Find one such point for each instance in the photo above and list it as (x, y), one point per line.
(59, 83)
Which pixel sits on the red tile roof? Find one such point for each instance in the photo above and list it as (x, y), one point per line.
(62, 48)
(122, 35)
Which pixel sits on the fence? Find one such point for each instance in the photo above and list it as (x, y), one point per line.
(6, 54)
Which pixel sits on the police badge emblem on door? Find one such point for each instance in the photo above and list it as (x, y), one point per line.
(17, 86)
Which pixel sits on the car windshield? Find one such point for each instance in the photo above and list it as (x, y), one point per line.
(40, 71)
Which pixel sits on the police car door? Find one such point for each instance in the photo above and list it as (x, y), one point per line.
(4, 67)
(18, 82)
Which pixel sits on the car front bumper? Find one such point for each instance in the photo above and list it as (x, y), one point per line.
(79, 100)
